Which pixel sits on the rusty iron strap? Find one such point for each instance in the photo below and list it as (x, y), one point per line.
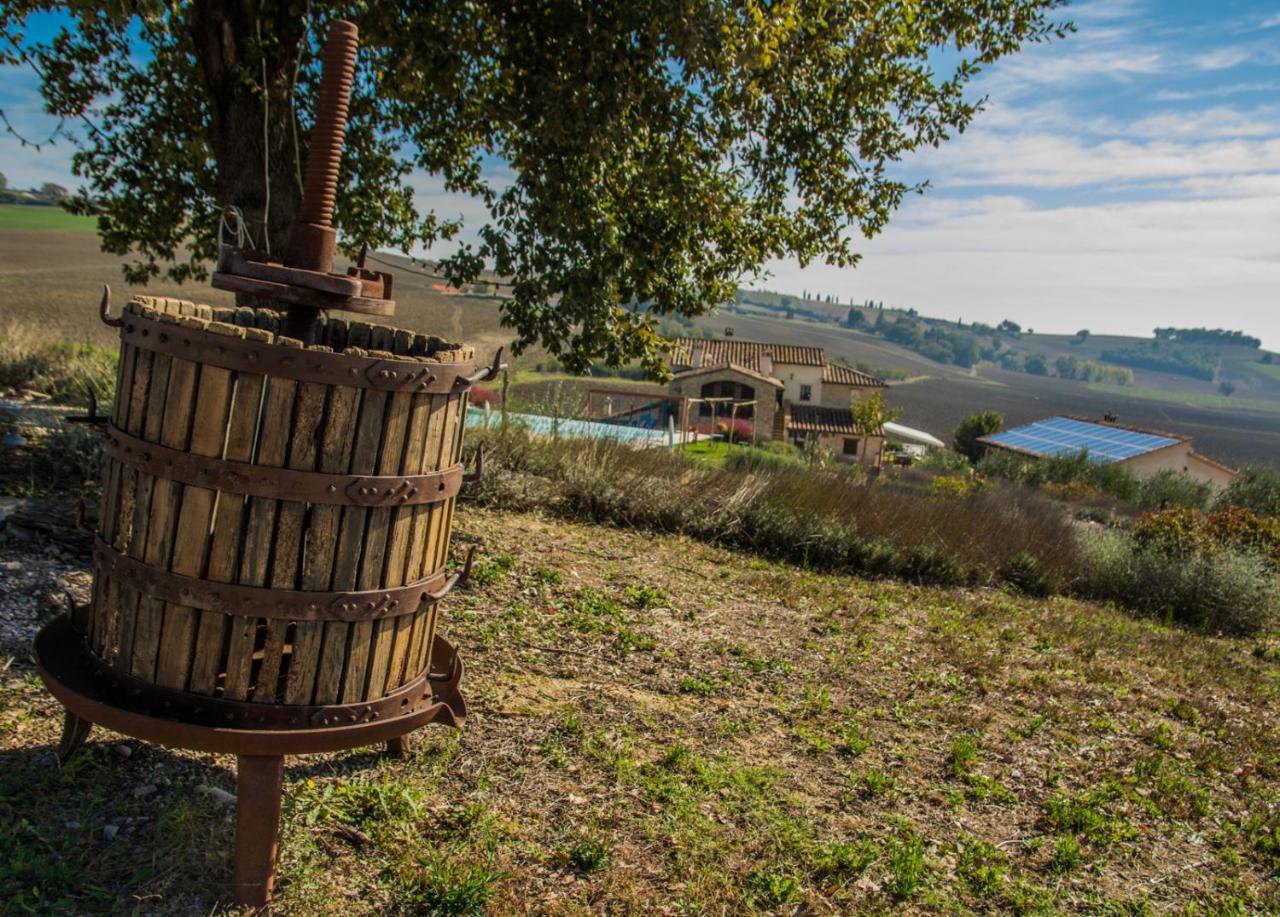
(242, 355)
(144, 697)
(263, 602)
(281, 483)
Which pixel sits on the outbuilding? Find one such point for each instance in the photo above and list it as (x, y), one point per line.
(1142, 452)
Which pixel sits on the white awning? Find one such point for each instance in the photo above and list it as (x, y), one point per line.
(907, 434)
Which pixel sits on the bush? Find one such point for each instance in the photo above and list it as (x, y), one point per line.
(945, 461)
(760, 460)
(1224, 591)
(736, 430)
(1181, 533)
(1063, 469)
(965, 437)
(1023, 572)
(1238, 528)
(829, 520)
(1167, 489)
(1256, 488)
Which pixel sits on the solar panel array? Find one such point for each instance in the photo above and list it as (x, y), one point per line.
(1064, 436)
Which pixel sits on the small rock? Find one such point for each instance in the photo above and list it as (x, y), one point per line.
(145, 790)
(217, 794)
(11, 566)
(110, 831)
(71, 825)
(124, 751)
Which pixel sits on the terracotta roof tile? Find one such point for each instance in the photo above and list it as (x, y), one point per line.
(721, 367)
(836, 374)
(742, 353)
(814, 418)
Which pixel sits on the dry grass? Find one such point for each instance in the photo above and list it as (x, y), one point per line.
(662, 726)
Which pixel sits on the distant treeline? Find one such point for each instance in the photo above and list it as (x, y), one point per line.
(1211, 336)
(1196, 362)
(1069, 367)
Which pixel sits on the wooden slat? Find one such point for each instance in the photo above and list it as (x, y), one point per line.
(286, 548)
(314, 673)
(229, 523)
(121, 603)
(144, 485)
(162, 516)
(96, 624)
(441, 454)
(401, 537)
(351, 538)
(379, 556)
(273, 443)
(208, 433)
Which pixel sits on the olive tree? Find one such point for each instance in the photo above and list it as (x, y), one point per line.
(632, 159)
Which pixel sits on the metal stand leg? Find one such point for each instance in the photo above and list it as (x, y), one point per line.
(74, 733)
(258, 783)
(400, 747)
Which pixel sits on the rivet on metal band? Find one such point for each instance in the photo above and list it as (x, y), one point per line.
(278, 604)
(281, 483)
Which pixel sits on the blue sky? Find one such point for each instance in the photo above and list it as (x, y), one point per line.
(1124, 178)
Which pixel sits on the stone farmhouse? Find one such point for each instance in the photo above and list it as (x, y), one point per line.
(799, 395)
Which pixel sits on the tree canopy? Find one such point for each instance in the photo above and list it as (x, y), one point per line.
(965, 437)
(632, 159)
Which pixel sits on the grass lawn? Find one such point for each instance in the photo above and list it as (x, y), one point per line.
(1196, 399)
(30, 217)
(710, 451)
(662, 726)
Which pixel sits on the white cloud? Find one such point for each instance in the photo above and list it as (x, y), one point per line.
(1119, 267)
(1270, 22)
(1187, 95)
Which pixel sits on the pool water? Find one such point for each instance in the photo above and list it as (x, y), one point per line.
(541, 425)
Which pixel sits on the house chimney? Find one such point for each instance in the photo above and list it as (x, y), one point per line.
(695, 356)
(766, 365)
(728, 332)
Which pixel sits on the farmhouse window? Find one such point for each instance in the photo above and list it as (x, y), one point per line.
(806, 393)
(851, 446)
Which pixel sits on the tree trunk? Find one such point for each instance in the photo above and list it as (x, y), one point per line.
(252, 165)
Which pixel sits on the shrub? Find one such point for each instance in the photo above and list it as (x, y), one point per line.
(1061, 470)
(760, 460)
(1176, 533)
(965, 437)
(1243, 530)
(945, 461)
(1025, 573)
(736, 430)
(1225, 591)
(1256, 488)
(1168, 488)
(830, 520)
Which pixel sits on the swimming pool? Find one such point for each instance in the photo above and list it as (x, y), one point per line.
(541, 425)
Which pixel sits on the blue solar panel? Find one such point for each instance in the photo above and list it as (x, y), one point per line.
(1065, 436)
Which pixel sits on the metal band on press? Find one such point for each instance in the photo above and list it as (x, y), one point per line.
(264, 602)
(298, 363)
(281, 483)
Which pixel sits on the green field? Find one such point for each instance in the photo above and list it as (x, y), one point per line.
(1194, 399)
(30, 217)
(1267, 369)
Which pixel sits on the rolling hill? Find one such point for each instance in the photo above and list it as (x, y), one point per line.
(52, 271)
